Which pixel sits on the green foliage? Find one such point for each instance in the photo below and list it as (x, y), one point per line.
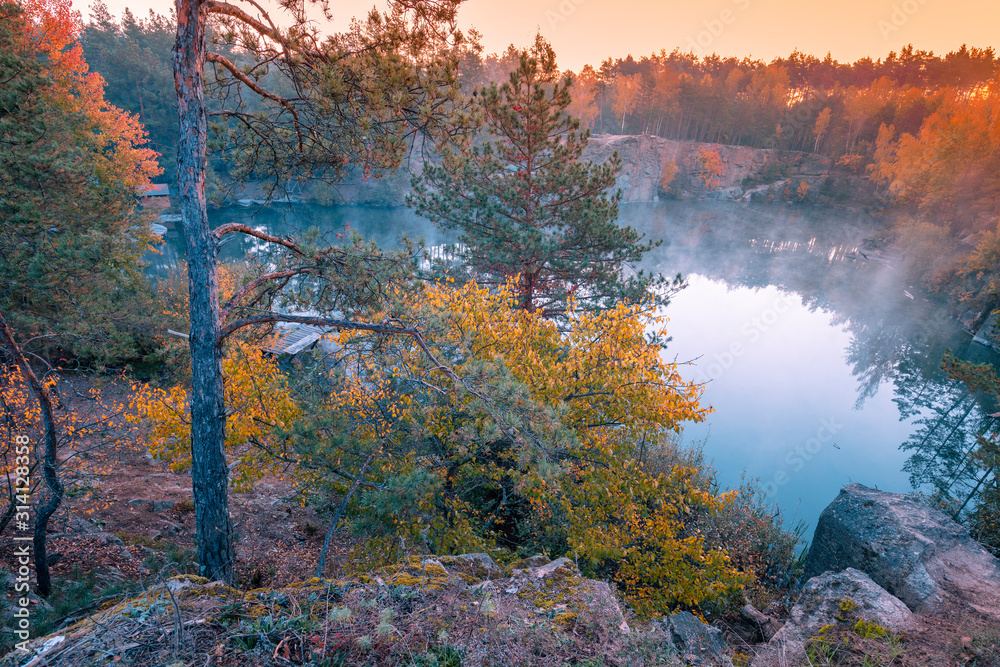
(533, 448)
(524, 203)
(71, 167)
(337, 105)
(73, 597)
(135, 57)
(982, 463)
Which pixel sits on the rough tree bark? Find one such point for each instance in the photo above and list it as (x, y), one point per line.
(208, 416)
(329, 143)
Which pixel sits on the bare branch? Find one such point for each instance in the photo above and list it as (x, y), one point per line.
(260, 90)
(254, 284)
(263, 236)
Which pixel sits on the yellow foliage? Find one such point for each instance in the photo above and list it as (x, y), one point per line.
(599, 378)
(88, 440)
(609, 382)
(502, 404)
(258, 403)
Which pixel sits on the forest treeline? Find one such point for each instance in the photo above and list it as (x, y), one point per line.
(799, 102)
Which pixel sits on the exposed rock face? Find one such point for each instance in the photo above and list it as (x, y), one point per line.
(481, 559)
(696, 643)
(644, 158)
(916, 553)
(562, 579)
(822, 603)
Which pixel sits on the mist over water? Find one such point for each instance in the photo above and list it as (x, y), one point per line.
(816, 359)
(819, 359)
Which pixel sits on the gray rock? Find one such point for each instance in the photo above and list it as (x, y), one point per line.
(483, 560)
(538, 560)
(916, 553)
(819, 605)
(138, 502)
(158, 506)
(80, 525)
(734, 192)
(697, 643)
(550, 569)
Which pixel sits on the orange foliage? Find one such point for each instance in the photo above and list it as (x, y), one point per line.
(90, 436)
(113, 137)
(710, 167)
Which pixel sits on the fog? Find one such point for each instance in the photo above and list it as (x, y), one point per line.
(819, 358)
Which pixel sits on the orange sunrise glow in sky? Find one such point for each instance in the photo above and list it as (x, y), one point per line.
(588, 31)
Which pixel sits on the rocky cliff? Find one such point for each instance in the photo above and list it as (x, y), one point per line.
(745, 172)
(884, 565)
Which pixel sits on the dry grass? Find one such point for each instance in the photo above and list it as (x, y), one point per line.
(352, 623)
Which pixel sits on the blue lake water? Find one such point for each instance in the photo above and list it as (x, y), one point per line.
(818, 356)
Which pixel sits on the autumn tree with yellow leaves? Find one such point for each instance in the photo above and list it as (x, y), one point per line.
(51, 444)
(497, 430)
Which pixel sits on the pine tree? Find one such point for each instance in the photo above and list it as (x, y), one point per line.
(526, 205)
(71, 167)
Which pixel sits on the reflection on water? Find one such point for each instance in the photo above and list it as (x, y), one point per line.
(818, 359)
(385, 226)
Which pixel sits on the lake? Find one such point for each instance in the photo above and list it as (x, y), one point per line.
(818, 357)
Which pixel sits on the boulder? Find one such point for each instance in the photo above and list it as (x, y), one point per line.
(559, 585)
(916, 553)
(482, 560)
(831, 597)
(549, 569)
(697, 643)
(158, 506)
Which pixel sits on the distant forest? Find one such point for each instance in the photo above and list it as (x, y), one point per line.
(864, 114)
(796, 103)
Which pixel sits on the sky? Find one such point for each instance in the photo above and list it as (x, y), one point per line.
(589, 31)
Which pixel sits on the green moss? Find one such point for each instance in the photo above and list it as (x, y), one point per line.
(416, 574)
(870, 630)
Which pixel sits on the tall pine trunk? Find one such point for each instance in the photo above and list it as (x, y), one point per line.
(208, 419)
